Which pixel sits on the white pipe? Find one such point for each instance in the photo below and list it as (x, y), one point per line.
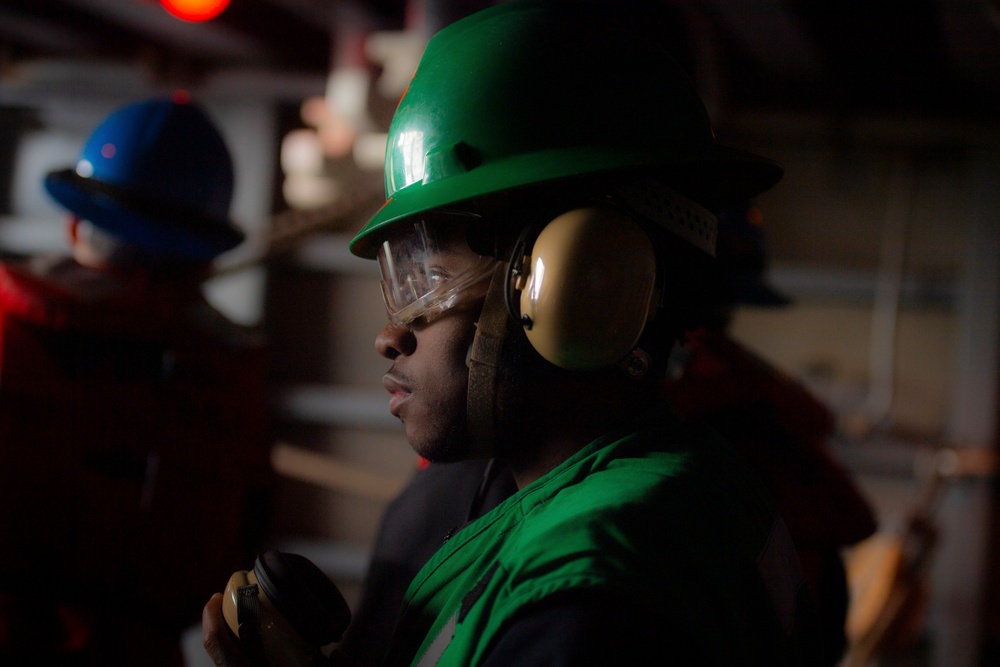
(888, 287)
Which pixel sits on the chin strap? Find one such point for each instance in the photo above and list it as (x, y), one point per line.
(484, 362)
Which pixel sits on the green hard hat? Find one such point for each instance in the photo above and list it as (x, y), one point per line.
(528, 92)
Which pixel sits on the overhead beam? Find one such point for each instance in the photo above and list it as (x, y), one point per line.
(211, 39)
(35, 33)
(768, 31)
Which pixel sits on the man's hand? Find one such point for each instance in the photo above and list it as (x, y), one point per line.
(220, 643)
(223, 647)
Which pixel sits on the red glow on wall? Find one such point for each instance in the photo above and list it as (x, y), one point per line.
(195, 10)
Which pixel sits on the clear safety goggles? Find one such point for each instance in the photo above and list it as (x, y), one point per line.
(427, 266)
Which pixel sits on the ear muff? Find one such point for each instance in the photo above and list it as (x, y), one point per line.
(584, 289)
(284, 610)
(303, 595)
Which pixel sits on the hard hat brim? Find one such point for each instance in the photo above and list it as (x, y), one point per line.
(721, 177)
(163, 228)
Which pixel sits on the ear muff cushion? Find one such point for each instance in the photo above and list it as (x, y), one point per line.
(303, 595)
(589, 286)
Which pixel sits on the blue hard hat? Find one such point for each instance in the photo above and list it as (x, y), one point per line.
(155, 174)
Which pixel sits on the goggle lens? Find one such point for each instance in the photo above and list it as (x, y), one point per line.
(426, 268)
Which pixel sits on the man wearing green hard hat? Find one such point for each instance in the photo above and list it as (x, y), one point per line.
(548, 235)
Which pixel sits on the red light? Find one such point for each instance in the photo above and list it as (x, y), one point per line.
(195, 10)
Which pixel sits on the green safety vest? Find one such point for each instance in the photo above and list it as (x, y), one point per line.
(667, 517)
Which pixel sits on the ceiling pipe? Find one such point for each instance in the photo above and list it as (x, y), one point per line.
(429, 16)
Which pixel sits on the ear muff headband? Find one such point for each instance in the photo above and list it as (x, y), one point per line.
(586, 287)
(484, 361)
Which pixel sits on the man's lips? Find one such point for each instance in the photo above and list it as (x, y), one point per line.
(398, 390)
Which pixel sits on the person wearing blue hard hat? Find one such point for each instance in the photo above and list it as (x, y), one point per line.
(157, 175)
(133, 414)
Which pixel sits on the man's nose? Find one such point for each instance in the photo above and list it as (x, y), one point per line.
(395, 340)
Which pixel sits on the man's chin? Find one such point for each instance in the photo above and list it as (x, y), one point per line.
(442, 450)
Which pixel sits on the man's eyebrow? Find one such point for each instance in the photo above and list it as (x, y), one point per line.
(447, 253)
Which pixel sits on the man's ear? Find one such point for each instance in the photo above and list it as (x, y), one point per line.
(73, 229)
